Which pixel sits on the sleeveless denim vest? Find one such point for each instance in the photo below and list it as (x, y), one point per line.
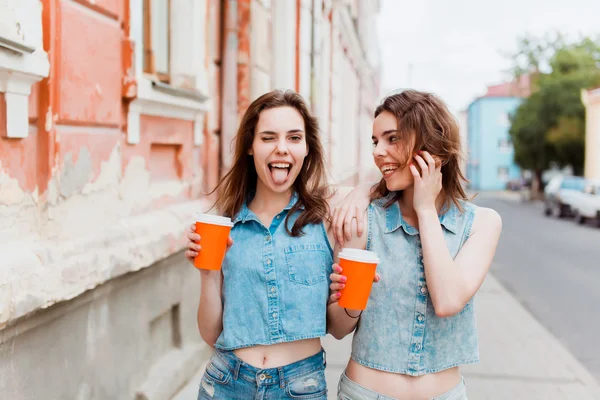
(275, 286)
(399, 331)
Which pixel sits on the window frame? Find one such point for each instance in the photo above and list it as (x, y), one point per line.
(149, 61)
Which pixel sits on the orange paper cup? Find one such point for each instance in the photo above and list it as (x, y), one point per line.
(214, 232)
(358, 266)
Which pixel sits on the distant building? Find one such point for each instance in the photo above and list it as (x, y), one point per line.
(491, 155)
(591, 99)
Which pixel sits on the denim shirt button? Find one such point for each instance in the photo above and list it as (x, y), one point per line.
(424, 290)
(420, 318)
(273, 290)
(269, 262)
(418, 346)
(274, 315)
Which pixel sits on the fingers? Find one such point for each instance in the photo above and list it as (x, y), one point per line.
(190, 255)
(193, 246)
(337, 286)
(415, 173)
(360, 221)
(347, 228)
(339, 226)
(229, 242)
(430, 161)
(423, 165)
(193, 236)
(334, 297)
(377, 278)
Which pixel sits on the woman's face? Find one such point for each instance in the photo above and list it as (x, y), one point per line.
(390, 153)
(279, 148)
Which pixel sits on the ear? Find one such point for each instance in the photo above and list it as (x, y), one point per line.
(250, 152)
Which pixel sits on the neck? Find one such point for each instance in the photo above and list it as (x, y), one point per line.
(267, 201)
(407, 205)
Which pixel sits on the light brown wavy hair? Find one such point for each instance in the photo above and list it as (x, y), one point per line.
(239, 183)
(425, 120)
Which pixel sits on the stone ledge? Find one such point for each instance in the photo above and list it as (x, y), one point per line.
(36, 275)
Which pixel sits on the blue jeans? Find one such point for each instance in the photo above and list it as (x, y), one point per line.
(350, 390)
(229, 378)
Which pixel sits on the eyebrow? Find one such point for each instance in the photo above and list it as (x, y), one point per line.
(275, 133)
(385, 133)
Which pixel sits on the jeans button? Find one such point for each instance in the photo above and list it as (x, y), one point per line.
(262, 377)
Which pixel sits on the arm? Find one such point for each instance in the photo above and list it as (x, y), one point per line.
(339, 324)
(210, 309)
(453, 282)
(345, 205)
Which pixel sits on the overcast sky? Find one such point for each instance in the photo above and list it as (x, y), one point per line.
(456, 47)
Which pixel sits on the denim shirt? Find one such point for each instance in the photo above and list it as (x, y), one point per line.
(399, 331)
(275, 286)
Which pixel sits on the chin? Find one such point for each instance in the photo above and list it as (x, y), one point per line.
(396, 186)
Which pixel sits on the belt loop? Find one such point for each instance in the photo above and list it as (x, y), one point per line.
(236, 369)
(281, 378)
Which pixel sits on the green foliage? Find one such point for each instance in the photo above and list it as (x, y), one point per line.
(549, 126)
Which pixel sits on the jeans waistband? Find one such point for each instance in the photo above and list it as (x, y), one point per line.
(271, 376)
(353, 389)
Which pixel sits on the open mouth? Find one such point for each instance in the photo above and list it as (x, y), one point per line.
(389, 169)
(280, 172)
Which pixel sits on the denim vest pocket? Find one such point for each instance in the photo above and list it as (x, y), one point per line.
(306, 263)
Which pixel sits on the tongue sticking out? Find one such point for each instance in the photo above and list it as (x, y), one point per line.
(279, 175)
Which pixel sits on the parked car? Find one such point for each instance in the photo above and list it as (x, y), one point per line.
(586, 206)
(559, 194)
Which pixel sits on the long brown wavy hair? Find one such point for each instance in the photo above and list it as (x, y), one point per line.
(311, 184)
(426, 119)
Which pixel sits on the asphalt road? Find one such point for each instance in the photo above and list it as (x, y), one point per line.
(552, 266)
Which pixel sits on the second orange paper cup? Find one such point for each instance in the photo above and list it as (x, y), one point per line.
(358, 266)
(214, 233)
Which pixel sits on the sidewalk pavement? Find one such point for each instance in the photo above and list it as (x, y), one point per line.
(520, 359)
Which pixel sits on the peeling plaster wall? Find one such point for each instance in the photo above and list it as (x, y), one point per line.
(79, 205)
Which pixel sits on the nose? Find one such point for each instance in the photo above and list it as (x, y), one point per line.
(379, 151)
(282, 146)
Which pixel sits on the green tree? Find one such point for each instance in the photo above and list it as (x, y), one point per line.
(549, 126)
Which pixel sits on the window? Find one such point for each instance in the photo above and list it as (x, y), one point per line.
(503, 173)
(504, 119)
(157, 36)
(505, 145)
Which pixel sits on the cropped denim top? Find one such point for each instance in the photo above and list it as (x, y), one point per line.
(399, 331)
(275, 286)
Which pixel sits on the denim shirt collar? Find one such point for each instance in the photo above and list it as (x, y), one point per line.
(246, 214)
(394, 219)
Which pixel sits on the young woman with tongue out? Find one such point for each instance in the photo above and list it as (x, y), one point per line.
(435, 250)
(266, 310)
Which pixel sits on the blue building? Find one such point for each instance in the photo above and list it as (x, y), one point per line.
(490, 152)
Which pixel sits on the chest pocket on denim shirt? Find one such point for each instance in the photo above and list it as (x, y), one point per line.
(307, 263)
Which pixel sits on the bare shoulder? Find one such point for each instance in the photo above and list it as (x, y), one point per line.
(337, 194)
(487, 220)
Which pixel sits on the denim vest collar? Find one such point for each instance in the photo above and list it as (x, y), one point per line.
(245, 214)
(394, 219)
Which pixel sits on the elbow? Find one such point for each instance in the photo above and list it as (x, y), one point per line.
(208, 338)
(339, 335)
(445, 310)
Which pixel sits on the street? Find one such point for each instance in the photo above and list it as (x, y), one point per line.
(552, 267)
